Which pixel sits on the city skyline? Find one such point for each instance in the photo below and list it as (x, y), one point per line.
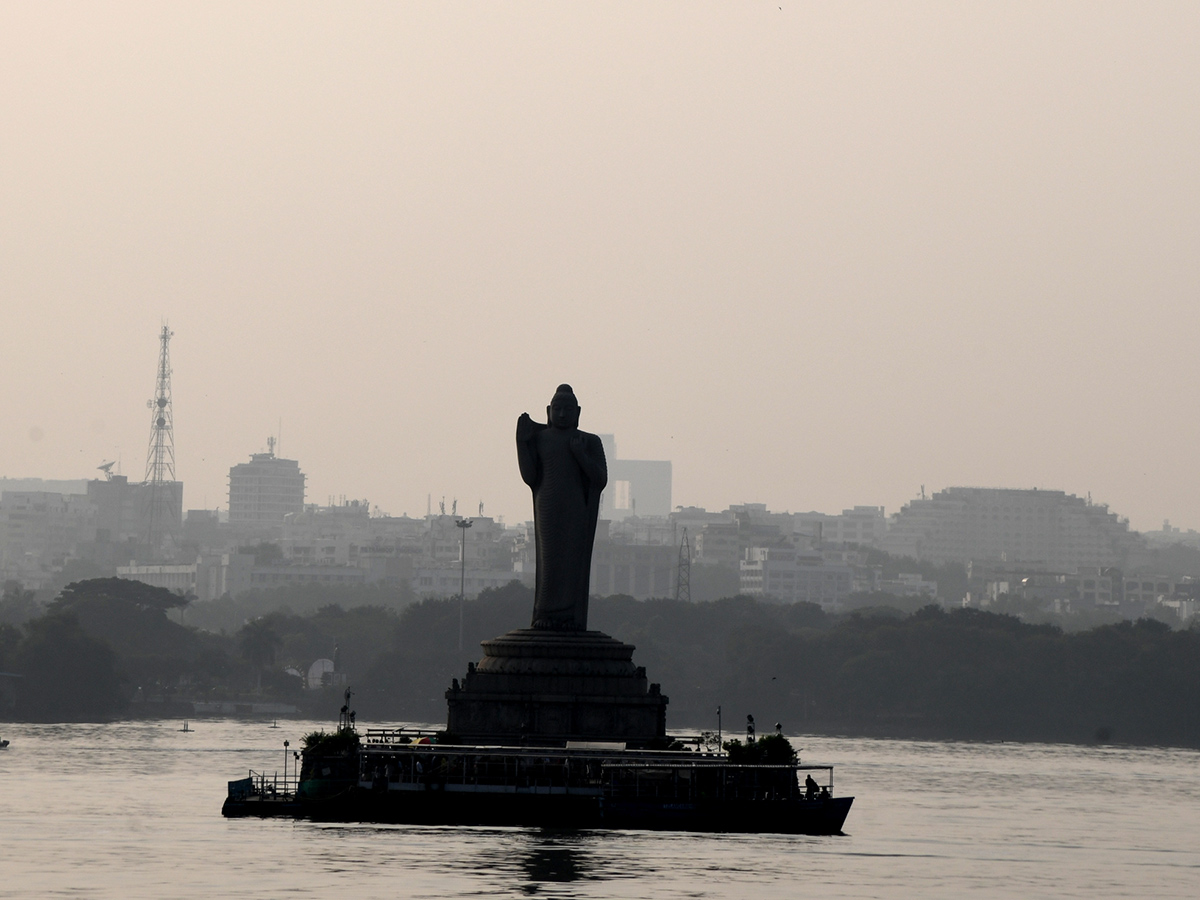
(129, 467)
(828, 255)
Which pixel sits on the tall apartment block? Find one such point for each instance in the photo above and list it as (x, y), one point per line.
(264, 490)
(1043, 530)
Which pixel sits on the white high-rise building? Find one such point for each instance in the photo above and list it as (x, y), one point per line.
(264, 490)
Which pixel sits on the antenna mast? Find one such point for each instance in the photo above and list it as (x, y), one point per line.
(160, 455)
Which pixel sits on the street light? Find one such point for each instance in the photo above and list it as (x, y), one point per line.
(464, 524)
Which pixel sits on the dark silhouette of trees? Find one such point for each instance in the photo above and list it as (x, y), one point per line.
(259, 643)
(18, 605)
(132, 618)
(69, 675)
(933, 673)
(228, 614)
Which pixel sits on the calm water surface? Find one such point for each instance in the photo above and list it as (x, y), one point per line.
(133, 810)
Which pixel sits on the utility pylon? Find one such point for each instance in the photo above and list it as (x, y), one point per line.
(160, 455)
(683, 573)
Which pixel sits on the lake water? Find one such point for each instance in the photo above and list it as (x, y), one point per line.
(133, 810)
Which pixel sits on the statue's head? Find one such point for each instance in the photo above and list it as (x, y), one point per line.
(563, 411)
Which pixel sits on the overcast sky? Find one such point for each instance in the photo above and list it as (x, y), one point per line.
(816, 256)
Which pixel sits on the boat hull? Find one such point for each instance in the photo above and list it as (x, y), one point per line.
(435, 805)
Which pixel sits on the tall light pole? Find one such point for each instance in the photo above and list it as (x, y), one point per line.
(464, 524)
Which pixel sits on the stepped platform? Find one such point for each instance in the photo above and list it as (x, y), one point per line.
(542, 687)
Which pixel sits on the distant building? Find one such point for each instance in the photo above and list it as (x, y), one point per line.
(177, 579)
(638, 570)
(719, 544)
(749, 525)
(865, 525)
(266, 577)
(636, 487)
(202, 528)
(1043, 530)
(1171, 535)
(215, 575)
(695, 518)
(444, 581)
(1089, 588)
(124, 510)
(908, 585)
(264, 490)
(39, 531)
(1143, 591)
(789, 575)
(106, 521)
(48, 485)
(211, 576)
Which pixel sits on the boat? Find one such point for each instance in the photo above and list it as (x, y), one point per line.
(404, 776)
(3, 744)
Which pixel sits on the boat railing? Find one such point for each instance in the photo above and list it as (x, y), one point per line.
(684, 782)
(266, 786)
(618, 773)
(404, 735)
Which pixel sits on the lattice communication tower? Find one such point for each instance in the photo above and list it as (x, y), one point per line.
(160, 455)
(683, 574)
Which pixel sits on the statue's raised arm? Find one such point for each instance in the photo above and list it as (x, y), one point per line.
(566, 470)
(527, 430)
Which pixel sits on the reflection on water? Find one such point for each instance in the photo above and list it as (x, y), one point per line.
(534, 857)
(549, 858)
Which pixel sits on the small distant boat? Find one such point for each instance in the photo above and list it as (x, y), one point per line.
(3, 744)
(185, 726)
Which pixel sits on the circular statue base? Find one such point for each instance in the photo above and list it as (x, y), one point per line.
(542, 687)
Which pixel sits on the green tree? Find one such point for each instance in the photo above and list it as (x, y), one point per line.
(69, 675)
(132, 618)
(259, 642)
(135, 594)
(17, 605)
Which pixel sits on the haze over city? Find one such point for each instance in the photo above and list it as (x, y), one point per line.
(868, 331)
(816, 256)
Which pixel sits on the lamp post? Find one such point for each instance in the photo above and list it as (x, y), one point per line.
(464, 524)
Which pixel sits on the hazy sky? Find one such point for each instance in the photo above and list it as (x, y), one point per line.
(816, 256)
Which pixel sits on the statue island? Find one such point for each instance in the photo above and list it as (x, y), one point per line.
(556, 681)
(555, 725)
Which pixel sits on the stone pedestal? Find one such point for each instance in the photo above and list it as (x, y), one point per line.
(544, 688)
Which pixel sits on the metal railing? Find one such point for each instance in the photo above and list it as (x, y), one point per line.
(397, 735)
(273, 785)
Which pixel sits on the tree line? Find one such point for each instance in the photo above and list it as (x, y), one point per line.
(108, 647)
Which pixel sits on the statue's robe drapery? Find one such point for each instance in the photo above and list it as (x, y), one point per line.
(566, 506)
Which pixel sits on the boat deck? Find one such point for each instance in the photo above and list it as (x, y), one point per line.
(588, 785)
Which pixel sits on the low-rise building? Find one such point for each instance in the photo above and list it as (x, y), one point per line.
(178, 579)
(39, 531)
(789, 575)
(908, 585)
(638, 570)
(444, 581)
(863, 525)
